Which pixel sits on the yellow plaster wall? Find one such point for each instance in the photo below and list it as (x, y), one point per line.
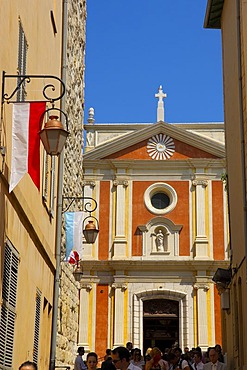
(24, 219)
(232, 124)
(235, 323)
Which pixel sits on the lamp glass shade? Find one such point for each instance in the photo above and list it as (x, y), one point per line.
(90, 232)
(53, 136)
(78, 273)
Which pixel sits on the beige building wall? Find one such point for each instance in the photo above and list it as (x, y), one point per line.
(231, 17)
(25, 221)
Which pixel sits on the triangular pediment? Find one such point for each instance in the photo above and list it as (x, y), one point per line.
(134, 145)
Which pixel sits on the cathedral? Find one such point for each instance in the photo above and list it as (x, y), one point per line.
(163, 220)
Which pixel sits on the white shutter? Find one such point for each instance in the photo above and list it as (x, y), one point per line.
(8, 309)
(37, 327)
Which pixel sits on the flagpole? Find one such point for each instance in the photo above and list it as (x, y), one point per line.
(58, 262)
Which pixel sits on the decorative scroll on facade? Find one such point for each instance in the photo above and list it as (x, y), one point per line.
(160, 307)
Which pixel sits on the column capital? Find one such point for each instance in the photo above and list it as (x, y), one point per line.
(123, 182)
(88, 287)
(89, 183)
(122, 286)
(202, 182)
(204, 286)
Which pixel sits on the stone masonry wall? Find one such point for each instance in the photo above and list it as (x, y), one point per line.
(69, 294)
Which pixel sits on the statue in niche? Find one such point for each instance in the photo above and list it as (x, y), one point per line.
(160, 241)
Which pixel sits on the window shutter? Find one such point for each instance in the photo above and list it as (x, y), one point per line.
(52, 191)
(48, 182)
(45, 177)
(8, 309)
(37, 327)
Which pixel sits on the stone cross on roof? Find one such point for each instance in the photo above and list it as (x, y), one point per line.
(160, 109)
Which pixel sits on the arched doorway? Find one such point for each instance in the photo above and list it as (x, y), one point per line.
(160, 323)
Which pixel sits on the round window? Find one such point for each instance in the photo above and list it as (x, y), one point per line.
(160, 198)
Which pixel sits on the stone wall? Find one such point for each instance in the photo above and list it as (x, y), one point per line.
(69, 294)
(75, 96)
(68, 310)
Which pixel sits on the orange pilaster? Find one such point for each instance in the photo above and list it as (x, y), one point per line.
(101, 334)
(104, 212)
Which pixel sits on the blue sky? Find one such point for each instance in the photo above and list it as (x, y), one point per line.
(133, 46)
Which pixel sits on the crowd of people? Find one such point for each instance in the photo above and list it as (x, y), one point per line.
(129, 358)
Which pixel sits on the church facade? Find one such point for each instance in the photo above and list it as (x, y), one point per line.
(162, 211)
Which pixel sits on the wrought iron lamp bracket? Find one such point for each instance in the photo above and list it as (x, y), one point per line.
(22, 79)
(90, 206)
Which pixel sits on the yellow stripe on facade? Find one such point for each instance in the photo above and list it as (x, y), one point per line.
(209, 315)
(207, 218)
(127, 219)
(114, 204)
(126, 316)
(112, 313)
(90, 318)
(195, 319)
(193, 215)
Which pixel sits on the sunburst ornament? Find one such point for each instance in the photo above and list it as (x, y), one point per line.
(160, 147)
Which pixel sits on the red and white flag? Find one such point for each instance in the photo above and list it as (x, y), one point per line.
(26, 142)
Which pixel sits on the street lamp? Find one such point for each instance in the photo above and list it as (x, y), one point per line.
(53, 136)
(90, 231)
(52, 133)
(78, 272)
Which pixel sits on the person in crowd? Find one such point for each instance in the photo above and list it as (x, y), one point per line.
(198, 349)
(186, 350)
(129, 346)
(165, 354)
(214, 363)
(219, 350)
(28, 365)
(147, 354)
(197, 364)
(183, 364)
(137, 359)
(206, 355)
(156, 362)
(107, 354)
(107, 364)
(92, 361)
(173, 361)
(79, 363)
(188, 356)
(121, 359)
(132, 354)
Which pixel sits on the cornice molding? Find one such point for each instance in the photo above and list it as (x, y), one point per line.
(139, 264)
(112, 164)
